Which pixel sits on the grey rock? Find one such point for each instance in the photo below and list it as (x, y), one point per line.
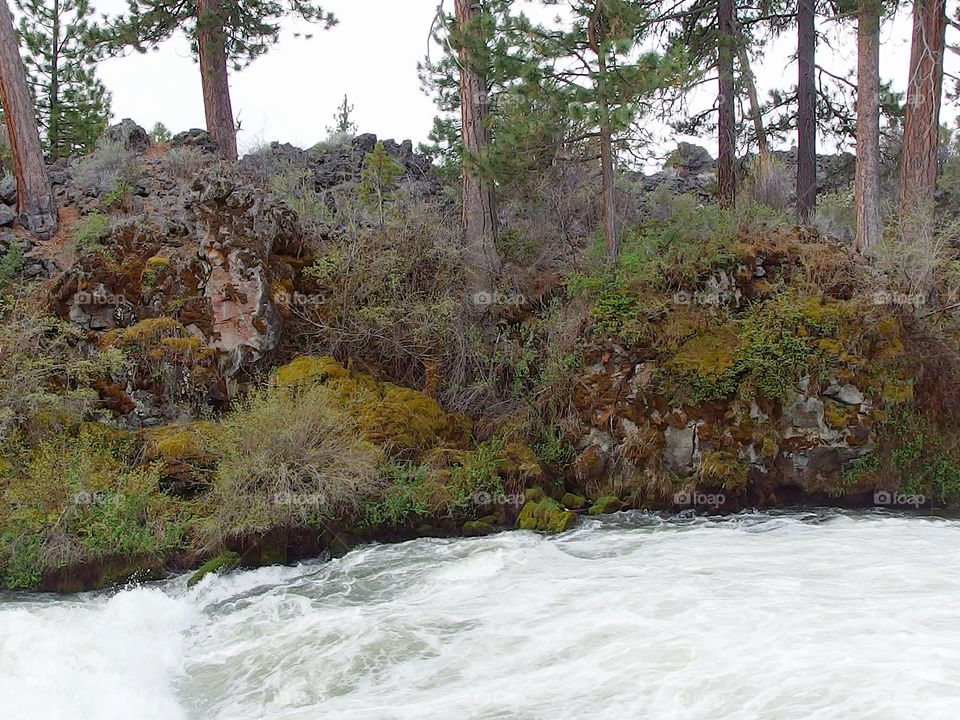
(680, 446)
(846, 393)
(8, 190)
(133, 137)
(7, 215)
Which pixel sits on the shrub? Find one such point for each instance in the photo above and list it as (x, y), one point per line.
(107, 166)
(90, 232)
(72, 498)
(835, 215)
(184, 163)
(289, 458)
(768, 184)
(296, 187)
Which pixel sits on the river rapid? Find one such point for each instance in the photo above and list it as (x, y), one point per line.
(803, 616)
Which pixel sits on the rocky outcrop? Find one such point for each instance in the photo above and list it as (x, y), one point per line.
(238, 229)
(333, 165)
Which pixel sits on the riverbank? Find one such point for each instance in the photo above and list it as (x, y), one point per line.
(234, 367)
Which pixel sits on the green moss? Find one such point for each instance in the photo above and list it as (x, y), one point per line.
(605, 505)
(546, 515)
(152, 270)
(573, 502)
(306, 369)
(475, 528)
(223, 562)
(724, 469)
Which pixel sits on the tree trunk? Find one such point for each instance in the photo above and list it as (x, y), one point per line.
(727, 120)
(217, 106)
(479, 220)
(750, 81)
(921, 126)
(868, 127)
(806, 110)
(54, 138)
(34, 197)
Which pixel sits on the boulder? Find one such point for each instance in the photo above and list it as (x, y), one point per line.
(127, 133)
(679, 449)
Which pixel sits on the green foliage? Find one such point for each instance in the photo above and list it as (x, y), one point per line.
(835, 215)
(93, 228)
(73, 106)
(513, 246)
(378, 180)
(250, 28)
(914, 455)
(295, 186)
(342, 122)
(160, 134)
(11, 263)
(72, 498)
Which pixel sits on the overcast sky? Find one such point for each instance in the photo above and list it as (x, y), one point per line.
(291, 93)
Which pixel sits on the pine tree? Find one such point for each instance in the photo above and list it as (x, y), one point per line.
(806, 109)
(223, 35)
(867, 184)
(34, 196)
(160, 133)
(921, 126)
(342, 122)
(73, 106)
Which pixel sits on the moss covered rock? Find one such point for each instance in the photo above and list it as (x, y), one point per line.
(605, 505)
(223, 562)
(546, 515)
(573, 502)
(476, 528)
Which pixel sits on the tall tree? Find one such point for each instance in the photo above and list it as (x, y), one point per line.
(806, 109)
(479, 220)
(921, 126)
(73, 106)
(223, 34)
(726, 106)
(867, 185)
(34, 196)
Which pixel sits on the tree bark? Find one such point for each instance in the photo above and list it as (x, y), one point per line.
(921, 126)
(34, 197)
(806, 110)
(727, 120)
(867, 198)
(750, 81)
(479, 219)
(211, 44)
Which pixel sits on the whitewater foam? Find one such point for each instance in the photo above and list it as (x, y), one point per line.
(755, 617)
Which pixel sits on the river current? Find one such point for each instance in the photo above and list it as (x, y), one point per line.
(794, 616)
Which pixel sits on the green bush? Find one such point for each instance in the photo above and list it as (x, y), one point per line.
(89, 234)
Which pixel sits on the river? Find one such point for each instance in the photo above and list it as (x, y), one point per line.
(806, 616)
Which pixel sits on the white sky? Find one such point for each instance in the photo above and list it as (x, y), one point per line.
(291, 93)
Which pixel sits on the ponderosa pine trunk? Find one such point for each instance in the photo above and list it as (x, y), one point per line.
(34, 197)
(806, 110)
(921, 126)
(479, 219)
(727, 120)
(867, 193)
(218, 108)
(750, 81)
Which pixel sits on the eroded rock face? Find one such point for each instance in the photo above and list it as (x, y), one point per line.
(238, 228)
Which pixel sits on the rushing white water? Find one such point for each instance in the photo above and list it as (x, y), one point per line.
(807, 616)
